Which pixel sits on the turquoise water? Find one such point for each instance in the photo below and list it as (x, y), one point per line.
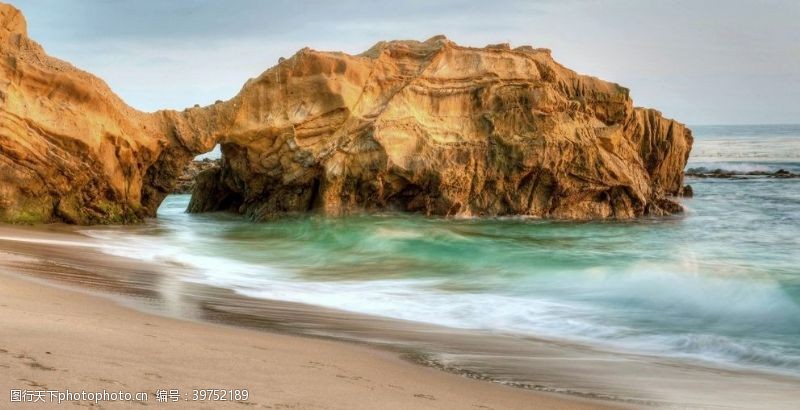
(720, 283)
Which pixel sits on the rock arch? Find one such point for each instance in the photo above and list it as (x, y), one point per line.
(429, 127)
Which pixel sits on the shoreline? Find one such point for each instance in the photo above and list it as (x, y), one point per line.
(546, 367)
(63, 338)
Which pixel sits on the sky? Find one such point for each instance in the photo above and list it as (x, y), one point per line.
(701, 62)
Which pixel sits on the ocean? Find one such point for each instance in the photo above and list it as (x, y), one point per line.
(718, 284)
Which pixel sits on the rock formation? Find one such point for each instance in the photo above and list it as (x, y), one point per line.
(428, 127)
(186, 180)
(703, 172)
(70, 149)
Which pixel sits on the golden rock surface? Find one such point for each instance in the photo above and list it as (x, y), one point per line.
(430, 127)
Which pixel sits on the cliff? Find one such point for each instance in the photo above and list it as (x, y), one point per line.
(70, 149)
(428, 127)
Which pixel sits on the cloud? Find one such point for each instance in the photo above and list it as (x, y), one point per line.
(701, 62)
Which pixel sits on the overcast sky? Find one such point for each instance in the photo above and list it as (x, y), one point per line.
(702, 62)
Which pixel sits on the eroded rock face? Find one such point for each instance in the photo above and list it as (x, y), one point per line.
(440, 129)
(427, 127)
(70, 149)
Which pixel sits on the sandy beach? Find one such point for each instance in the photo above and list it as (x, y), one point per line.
(76, 318)
(56, 338)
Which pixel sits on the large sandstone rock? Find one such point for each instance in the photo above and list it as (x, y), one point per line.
(70, 149)
(427, 127)
(436, 128)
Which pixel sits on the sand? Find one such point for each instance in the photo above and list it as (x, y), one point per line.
(58, 338)
(110, 322)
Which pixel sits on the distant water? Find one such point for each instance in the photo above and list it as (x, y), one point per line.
(739, 148)
(720, 283)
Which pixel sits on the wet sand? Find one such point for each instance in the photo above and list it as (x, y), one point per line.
(280, 367)
(56, 338)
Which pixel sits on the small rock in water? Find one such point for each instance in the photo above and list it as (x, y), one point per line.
(186, 180)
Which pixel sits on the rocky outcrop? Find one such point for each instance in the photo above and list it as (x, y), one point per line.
(428, 127)
(186, 180)
(703, 172)
(70, 149)
(441, 129)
